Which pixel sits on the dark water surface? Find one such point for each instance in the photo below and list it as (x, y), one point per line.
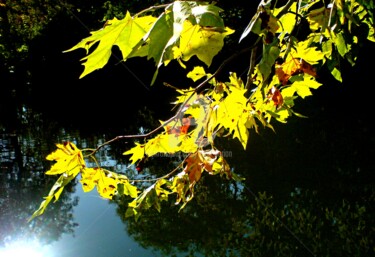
(79, 224)
(309, 188)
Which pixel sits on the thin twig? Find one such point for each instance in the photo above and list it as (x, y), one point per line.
(152, 8)
(164, 176)
(250, 72)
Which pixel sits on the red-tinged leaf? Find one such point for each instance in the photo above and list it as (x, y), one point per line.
(275, 95)
(293, 67)
(194, 166)
(180, 129)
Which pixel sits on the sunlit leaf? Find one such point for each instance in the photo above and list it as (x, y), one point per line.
(204, 42)
(54, 193)
(194, 166)
(68, 159)
(308, 53)
(129, 189)
(125, 34)
(233, 113)
(287, 21)
(106, 182)
(318, 18)
(106, 186)
(208, 15)
(137, 152)
(197, 73)
(302, 86)
(150, 197)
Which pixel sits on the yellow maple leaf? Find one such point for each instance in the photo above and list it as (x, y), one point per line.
(89, 179)
(105, 182)
(233, 113)
(137, 152)
(318, 18)
(107, 186)
(197, 73)
(68, 160)
(307, 52)
(129, 189)
(204, 42)
(125, 34)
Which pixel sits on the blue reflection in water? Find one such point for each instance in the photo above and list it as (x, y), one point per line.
(21, 248)
(100, 233)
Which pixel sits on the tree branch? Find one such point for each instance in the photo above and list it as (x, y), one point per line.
(180, 109)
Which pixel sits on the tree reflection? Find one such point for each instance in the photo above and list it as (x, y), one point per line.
(23, 184)
(203, 226)
(307, 193)
(294, 202)
(218, 222)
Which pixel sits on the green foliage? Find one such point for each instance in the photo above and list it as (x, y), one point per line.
(22, 21)
(184, 29)
(285, 70)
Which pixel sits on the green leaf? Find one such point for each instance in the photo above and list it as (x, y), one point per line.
(270, 54)
(125, 34)
(336, 73)
(129, 189)
(302, 86)
(204, 42)
(341, 45)
(208, 15)
(166, 33)
(54, 193)
(159, 36)
(150, 197)
(308, 53)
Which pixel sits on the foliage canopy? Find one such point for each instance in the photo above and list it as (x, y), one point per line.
(283, 67)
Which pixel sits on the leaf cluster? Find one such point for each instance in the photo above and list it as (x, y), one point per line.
(283, 67)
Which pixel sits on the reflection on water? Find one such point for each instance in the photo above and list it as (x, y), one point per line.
(307, 193)
(78, 224)
(22, 184)
(100, 232)
(30, 248)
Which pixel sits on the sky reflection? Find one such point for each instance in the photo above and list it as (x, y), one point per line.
(100, 233)
(22, 247)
